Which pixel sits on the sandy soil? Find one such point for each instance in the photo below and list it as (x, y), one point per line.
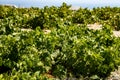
(97, 26)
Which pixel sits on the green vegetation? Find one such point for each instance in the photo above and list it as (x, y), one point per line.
(70, 50)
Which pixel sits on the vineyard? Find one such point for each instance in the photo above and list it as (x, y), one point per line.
(55, 43)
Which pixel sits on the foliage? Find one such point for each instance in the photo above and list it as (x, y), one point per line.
(69, 50)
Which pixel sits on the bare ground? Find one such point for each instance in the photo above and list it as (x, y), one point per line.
(97, 26)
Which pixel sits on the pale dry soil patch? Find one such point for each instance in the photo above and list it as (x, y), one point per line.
(95, 26)
(98, 26)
